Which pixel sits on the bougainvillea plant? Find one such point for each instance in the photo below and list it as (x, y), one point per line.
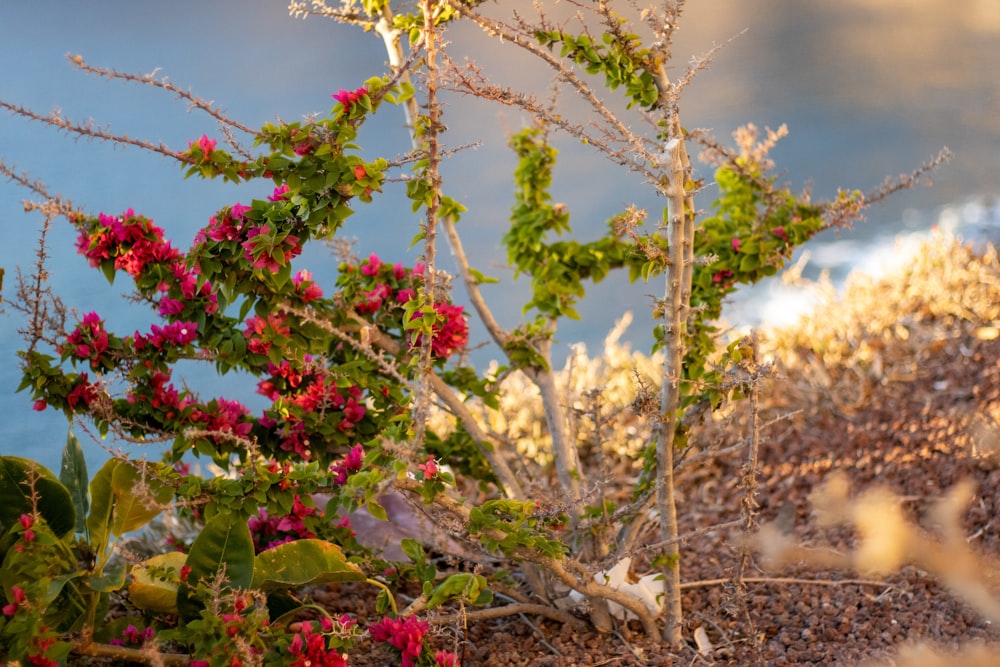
(352, 373)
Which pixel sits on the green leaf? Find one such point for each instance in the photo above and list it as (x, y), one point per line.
(469, 587)
(101, 505)
(54, 501)
(136, 499)
(108, 268)
(112, 579)
(376, 510)
(482, 279)
(413, 550)
(224, 543)
(301, 563)
(73, 475)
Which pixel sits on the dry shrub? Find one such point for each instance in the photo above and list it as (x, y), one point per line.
(880, 330)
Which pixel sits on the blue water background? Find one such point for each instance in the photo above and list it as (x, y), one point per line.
(868, 89)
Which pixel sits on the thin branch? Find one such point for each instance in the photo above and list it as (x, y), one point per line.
(150, 80)
(919, 176)
(89, 129)
(544, 610)
(499, 29)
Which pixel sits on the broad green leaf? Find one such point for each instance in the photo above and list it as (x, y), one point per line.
(112, 579)
(225, 544)
(102, 504)
(414, 550)
(303, 562)
(155, 582)
(136, 499)
(73, 475)
(54, 501)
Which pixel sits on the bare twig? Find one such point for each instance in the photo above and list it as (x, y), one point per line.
(162, 83)
(89, 129)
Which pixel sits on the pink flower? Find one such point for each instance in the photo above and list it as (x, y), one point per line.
(373, 300)
(39, 406)
(722, 276)
(372, 265)
(445, 659)
(429, 468)
(347, 98)
(84, 393)
(779, 231)
(19, 599)
(238, 210)
(170, 307)
(260, 246)
(309, 648)
(89, 340)
(205, 145)
(450, 333)
(305, 287)
(280, 193)
(349, 464)
(406, 634)
(736, 244)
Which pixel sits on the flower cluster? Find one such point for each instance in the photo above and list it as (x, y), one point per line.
(223, 418)
(133, 636)
(305, 287)
(131, 241)
(348, 98)
(261, 333)
(351, 463)
(159, 394)
(176, 334)
(269, 531)
(404, 634)
(231, 633)
(379, 291)
(309, 647)
(307, 400)
(267, 248)
(20, 598)
(450, 331)
(88, 341)
(407, 636)
(204, 145)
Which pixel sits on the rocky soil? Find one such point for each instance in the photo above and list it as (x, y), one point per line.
(898, 386)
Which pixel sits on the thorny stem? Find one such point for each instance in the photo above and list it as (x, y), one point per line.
(150, 656)
(748, 505)
(56, 119)
(675, 327)
(432, 175)
(544, 610)
(150, 80)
